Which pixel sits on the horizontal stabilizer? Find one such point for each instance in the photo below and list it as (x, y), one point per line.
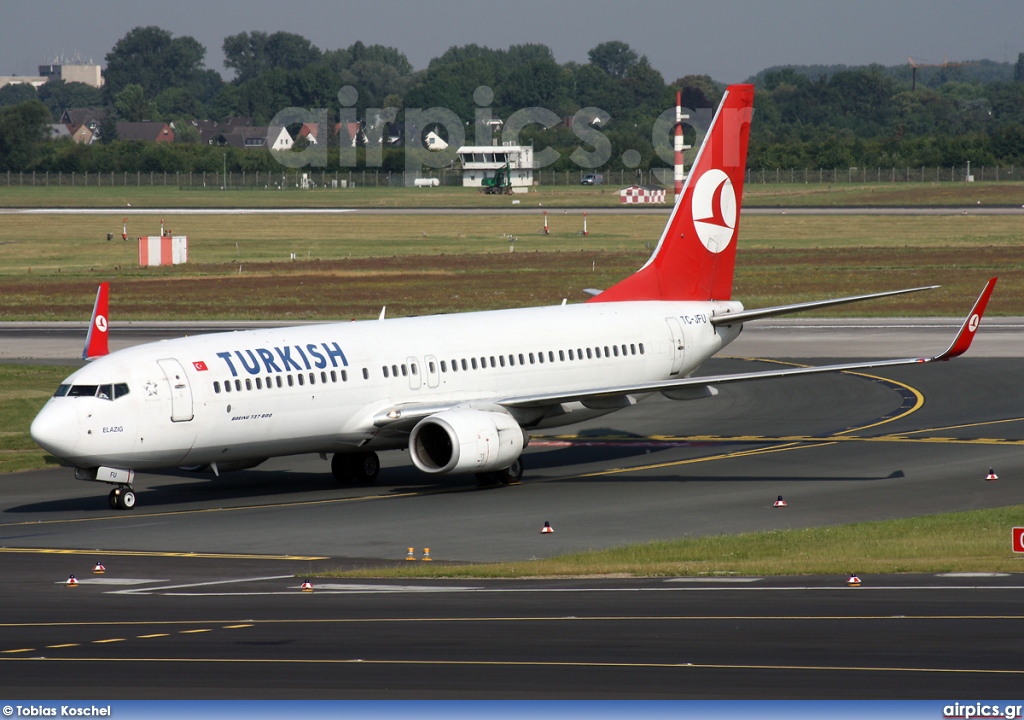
(757, 314)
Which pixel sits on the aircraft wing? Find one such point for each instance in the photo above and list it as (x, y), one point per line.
(757, 314)
(961, 342)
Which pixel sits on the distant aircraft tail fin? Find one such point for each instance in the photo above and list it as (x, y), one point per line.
(96, 340)
(695, 257)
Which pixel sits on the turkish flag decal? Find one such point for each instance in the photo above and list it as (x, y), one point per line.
(200, 365)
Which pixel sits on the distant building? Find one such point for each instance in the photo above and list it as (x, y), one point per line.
(484, 161)
(82, 134)
(158, 132)
(255, 138)
(90, 117)
(33, 80)
(434, 141)
(59, 130)
(91, 75)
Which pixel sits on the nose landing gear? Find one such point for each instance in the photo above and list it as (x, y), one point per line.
(122, 498)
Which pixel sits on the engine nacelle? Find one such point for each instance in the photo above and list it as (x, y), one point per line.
(466, 441)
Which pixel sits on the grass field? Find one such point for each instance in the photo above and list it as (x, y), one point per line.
(975, 541)
(812, 194)
(24, 389)
(347, 266)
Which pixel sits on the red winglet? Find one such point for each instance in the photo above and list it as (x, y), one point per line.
(970, 326)
(96, 340)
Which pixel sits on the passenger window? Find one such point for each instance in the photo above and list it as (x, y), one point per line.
(323, 375)
(571, 354)
(464, 365)
(615, 350)
(501, 360)
(540, 357)
(291, 381)
(227, 386)
(606, 353)
(405, 370)
(512, 360)
(623, 350)
(259, 383)
(238, 385)
(334, 376)
(301, 379)
(444, 366)
(641, 346)
(589, 355)
(561, 355)
(216, 386)
(248, 384)
(270, 383)
(432, 367)
(279, 381)
(312, 378)
(366, 374)
(344, 375)
(522, 360)
(493, 364)
(632, 348)
(385, 369)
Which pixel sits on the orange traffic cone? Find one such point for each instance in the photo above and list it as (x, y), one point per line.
(307, 586)
(780, 502)
(991, 475)
(72, 581)
(546, 529)
(99, 569)
(853, 581)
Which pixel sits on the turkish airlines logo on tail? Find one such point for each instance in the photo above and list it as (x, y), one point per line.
(714, 210)
(101, 323)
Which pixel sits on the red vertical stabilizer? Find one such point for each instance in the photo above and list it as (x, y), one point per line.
(96, 340)
(695, 257)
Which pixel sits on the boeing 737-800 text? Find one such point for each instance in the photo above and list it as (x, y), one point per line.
(460, 391)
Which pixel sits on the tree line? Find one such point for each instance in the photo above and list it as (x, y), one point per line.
(805, 117)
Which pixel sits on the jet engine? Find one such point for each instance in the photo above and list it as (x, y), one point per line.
(474, 441)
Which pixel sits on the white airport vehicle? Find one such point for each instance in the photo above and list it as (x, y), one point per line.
(460, 391)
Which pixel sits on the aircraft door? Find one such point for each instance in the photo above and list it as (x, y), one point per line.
(415, 380)
(678, 346)
(431, 371)
(181, 392)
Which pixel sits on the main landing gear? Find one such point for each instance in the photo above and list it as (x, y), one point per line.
(360, 468)
(122, 498)
(509, 476)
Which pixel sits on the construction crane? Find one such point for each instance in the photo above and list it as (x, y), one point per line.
(944, 64)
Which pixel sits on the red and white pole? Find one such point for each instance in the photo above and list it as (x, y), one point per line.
(584, 224)
(124, 230)
(545, 222)
(678, 175)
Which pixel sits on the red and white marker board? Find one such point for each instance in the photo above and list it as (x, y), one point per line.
(1018, 540)
(163, 250)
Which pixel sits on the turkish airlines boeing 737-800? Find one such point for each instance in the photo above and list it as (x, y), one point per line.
(459, 391)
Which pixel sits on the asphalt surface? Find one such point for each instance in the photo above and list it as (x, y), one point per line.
(840, 449)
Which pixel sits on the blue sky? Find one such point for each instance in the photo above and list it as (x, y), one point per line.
(727, 39)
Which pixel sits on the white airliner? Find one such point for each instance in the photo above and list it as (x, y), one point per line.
(461, 391)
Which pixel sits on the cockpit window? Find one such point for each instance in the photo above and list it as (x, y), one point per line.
(82, 391)
(108, 391)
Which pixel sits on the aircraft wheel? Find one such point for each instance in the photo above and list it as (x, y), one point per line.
(366, 467)
(512, 474)
(341, 468)
(122, 498)
(113, 499)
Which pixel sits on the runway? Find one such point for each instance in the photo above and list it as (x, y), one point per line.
(213, 608)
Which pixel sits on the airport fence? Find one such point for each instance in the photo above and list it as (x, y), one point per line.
(344, 179)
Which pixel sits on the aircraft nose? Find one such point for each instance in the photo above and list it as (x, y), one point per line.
(55, 429)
